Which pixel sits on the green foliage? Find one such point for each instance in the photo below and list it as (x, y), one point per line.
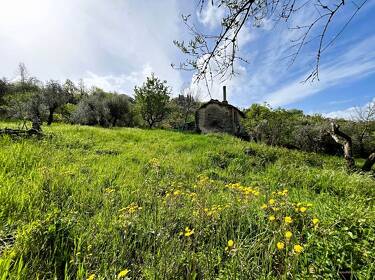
(29, 99)
(152, 100)
(92, 202)
(182, 112)
(4, 88)
(104, 109)
(120, 110)
(54, 96)
(293, 129)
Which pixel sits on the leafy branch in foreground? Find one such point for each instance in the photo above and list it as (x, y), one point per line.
(214, 56)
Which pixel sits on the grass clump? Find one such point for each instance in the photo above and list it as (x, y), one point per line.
(92, 203)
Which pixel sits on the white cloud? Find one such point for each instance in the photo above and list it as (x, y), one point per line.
(110, 40)
(211, 15)
(349, 113)
(357, 63)
(120, 83)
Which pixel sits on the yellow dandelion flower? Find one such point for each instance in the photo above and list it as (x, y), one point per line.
(315, 221)
(288, 220)
(280, 245)
(288, 234)
(91, 277)
(303, 209)
(123, 273)
(188, 232)
(271, 201)
(264, 206)
(297, 248)
(230, 243)
(271, 218)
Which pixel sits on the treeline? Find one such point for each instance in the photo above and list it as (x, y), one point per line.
(293, 129)
(29, 99)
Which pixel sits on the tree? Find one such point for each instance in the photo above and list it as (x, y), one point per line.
(215, 55)
(34, 108)
(152, 100)
(71, 91)
(83, 92)
(54, 96)
(24, 73)
(119, 109)
(365, 123)
(92, 109)
(346, 142)
(26, 83)
(104, 109)
(183, 110)
(289, 128)
(4, 88)
(23, 99)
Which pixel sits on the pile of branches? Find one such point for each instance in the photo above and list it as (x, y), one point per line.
(20, 132)
(35, 130)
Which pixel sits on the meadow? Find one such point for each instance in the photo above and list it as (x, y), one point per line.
(94, 203)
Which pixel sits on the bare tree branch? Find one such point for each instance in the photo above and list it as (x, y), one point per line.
(215, 55)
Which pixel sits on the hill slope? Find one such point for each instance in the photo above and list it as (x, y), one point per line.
(89, 202)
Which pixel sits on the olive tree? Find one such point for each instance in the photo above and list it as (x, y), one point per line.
(92, 109)
(119, 109)
(54, 97)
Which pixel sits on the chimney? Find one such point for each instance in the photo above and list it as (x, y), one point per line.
(225, 94)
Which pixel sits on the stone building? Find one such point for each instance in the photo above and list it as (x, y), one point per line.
(219, 116)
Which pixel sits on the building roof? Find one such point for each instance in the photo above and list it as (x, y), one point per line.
(226, 104)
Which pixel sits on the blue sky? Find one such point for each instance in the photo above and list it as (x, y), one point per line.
(116, 44)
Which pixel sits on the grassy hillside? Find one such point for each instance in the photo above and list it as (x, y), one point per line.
(92, 203)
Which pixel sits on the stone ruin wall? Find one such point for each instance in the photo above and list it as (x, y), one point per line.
(217, 118)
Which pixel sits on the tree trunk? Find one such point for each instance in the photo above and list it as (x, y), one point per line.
(345, 140)
(151, 123)
(361, 144)
(370, 161)
(114, 122)
(50, 116)
(36, 123)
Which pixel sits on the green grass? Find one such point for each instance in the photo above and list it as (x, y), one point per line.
(90, 202)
